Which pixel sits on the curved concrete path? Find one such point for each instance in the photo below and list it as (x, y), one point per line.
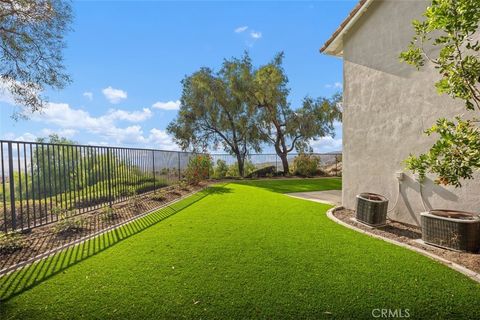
(333, 197)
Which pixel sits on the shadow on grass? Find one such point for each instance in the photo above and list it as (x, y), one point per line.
(29, 276)
(219, 189)
(295, 184)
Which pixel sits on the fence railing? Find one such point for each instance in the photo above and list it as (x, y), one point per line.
(44, 182)
(330, 163)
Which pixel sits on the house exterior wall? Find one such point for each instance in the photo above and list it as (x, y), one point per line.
(387, 106)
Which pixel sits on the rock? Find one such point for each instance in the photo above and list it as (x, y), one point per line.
(262, 172)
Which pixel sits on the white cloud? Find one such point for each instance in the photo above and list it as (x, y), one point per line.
(67, 133)
(62, 115)
(336, 85)
(326, 144)
(27, 136)
(256, 34)
(88, 95)
(135, 116)
(95, 143)
(5, 95)
(114, 95)
(241, 29)
(70, 121)
(170, 105)
(160, 139)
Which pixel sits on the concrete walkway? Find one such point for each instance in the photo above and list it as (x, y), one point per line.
(333, 197)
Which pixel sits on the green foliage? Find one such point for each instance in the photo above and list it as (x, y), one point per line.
(232, 171)
(183, 185)
(198, 168)
(11, 242)
(221, 169)
(454, 156)
(450, 25)
(242, 107)
(249, 167)
(263, 172)
(133, 198)
(58, 211)
(281, 125)
(108, 214)
(166, 171)
(32, 39)
(67, 224)
(215, 112)
(306, 165)
(160, 195)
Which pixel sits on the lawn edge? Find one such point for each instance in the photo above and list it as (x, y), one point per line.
(66, 246)
(455, 266)
(292, 195)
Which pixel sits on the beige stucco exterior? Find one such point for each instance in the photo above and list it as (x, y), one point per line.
(387, 106)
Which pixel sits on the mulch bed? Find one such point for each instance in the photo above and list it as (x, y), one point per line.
(45, 238)
(408, 234)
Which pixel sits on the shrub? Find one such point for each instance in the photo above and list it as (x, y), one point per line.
(233, 170)
(58, 211)
(262, 172)
(221, 169)
(11, 242)
(66, 225)
(183, 185)
(108, 214)
(134, 199)
(159, 195)
(248, 168)
(198, 169)
(305, 165)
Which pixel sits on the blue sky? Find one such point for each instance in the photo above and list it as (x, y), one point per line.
(127, 59)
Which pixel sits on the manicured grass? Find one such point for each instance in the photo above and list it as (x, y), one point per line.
(296, 185)
(240, 252)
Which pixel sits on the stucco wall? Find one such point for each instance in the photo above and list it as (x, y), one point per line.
(387, 106)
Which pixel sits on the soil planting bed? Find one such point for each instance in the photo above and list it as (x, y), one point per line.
(42, 239)
(410, 235)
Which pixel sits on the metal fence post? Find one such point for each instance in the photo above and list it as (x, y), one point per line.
(153, 170)
(109, 179)
(12, 187)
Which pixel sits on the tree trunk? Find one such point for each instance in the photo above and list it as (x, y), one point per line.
(241, 164)
(286, 169)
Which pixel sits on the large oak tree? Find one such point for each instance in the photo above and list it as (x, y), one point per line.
(243, 108)
(289, 129)
(215, 112)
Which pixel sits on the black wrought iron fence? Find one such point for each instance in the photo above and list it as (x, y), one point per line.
(43, 182)
(330, 164)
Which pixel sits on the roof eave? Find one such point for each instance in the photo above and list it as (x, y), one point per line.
(334, 45)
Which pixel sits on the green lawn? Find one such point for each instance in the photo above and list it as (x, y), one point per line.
(238, 252)
(296, 185)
